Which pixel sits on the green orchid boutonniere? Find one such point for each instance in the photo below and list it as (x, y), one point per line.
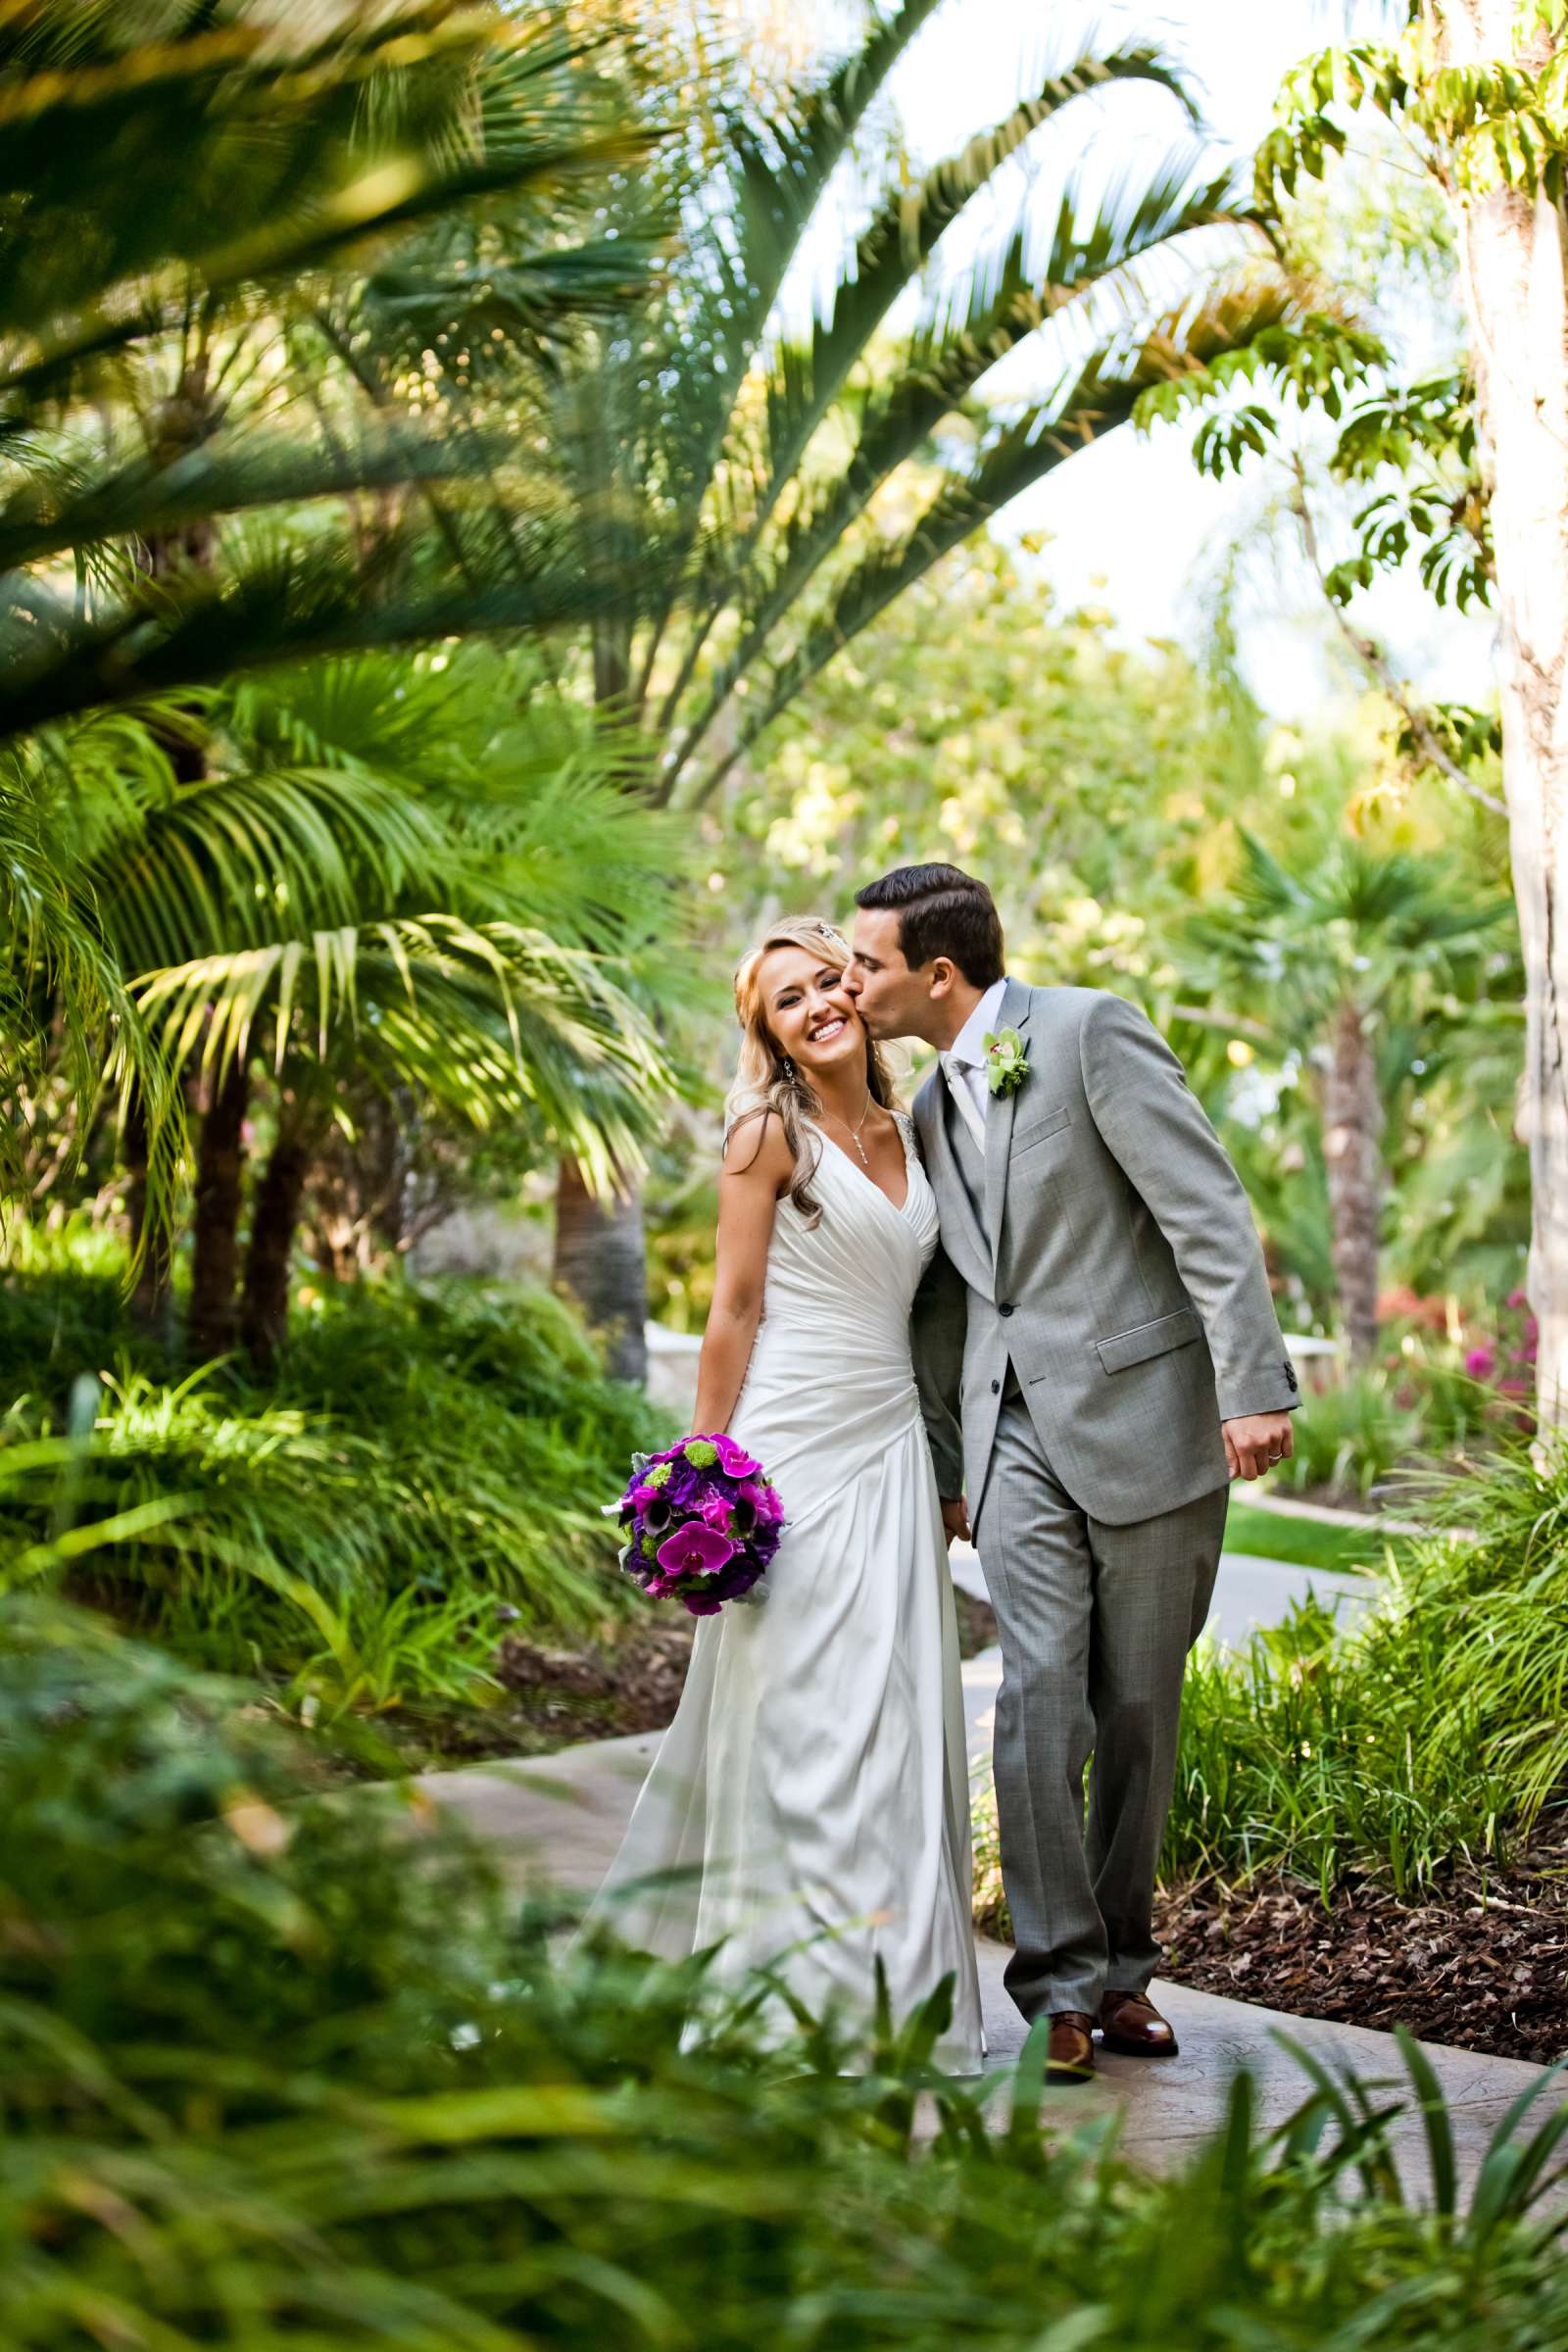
(1007, 1060)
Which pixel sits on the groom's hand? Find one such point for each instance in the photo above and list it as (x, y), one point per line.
(955, 1522)
(1255, 1442)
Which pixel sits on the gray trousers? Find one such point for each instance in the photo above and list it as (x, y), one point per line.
(1096, 1624)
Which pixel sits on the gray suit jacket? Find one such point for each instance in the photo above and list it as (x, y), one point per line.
(1117, 1268)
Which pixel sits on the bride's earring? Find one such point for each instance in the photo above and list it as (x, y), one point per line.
(787, 1066)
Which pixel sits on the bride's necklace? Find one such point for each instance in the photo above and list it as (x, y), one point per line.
(854, 1133)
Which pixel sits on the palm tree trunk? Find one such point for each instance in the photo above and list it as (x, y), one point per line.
(1352, 1126)
(601, 1260)
(274, 1217)
(601, 1250)
(1513, 246)
(213, 1311)
(152, 1298)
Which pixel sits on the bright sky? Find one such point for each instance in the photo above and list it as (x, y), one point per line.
(1131, 522)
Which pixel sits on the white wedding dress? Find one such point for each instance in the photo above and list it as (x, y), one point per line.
(809, 1808)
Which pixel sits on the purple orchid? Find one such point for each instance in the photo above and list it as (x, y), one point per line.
(733, 1460)
(695, 1550)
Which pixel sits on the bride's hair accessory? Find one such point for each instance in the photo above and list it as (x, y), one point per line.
(766, 1079)
(699, 1523)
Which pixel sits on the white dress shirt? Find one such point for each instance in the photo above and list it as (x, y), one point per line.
(968, 1087)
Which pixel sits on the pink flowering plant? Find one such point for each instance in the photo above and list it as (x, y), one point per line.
(699, 1523)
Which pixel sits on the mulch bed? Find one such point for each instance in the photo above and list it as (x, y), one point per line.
(1479, 1960)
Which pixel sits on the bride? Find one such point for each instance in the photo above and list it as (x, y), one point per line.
(808, 1808)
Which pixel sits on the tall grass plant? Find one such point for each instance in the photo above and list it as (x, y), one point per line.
(1436, 1726)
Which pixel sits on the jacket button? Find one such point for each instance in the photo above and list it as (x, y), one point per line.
(1006, 1310)
(996, 1388)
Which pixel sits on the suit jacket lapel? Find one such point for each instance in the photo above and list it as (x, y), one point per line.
(1000, 1114)
(962, 1236)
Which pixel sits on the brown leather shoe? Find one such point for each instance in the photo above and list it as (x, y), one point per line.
(1070, 2052)
(1129, 2023)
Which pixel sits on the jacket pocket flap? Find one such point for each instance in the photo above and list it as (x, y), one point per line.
(1127, 1348)
(1049, 1122)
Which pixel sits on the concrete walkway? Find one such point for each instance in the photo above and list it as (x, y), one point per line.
(558, 1821)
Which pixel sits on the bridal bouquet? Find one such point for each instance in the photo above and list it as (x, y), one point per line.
(699, 1523)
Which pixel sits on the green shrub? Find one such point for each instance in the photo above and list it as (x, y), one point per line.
(1436, 1724)
(421, 1460)
(1352, 1435)
(280, 2074)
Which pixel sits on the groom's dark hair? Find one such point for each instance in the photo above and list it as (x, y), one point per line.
(942, 912)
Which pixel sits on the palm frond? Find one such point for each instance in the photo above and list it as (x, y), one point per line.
(1101, 395)
(904, 236)
(290, 158)
(481, 1018)
(65, 1004)
(256, 858)
(152, 496)
(300, 599)
(946, 357)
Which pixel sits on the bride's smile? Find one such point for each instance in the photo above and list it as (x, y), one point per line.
(811, 1014)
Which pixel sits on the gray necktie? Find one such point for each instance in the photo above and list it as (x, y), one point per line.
(960, 1073)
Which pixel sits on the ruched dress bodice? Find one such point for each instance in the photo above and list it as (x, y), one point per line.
(831, 1379)
(808, 1810)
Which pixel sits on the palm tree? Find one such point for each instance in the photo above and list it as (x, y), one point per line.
(337, 889)
(302, 161)
(767, 471)
(176, 504)
(1352, 959)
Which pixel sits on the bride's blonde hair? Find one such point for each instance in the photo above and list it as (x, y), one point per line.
(766, 1079)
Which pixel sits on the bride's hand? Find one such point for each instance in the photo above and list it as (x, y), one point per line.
(955, 1523)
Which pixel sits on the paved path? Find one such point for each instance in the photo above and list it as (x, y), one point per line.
(560, 1818)
(1250, 1592)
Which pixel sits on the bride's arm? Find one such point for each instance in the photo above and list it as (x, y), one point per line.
(754, 1172)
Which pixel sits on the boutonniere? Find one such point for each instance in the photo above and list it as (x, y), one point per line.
(1006, 1061)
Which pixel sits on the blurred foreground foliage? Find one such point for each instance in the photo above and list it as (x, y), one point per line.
(287, 2070)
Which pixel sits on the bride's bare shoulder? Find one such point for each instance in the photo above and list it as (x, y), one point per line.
(756, 1148)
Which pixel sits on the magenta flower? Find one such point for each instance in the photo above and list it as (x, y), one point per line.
(695, 1550)
(1481, 1363)
(764, 1501)
(1518, 1298)
(717, 1514)
(733, 1460)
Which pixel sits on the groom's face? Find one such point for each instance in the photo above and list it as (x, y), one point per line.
(893, 1000)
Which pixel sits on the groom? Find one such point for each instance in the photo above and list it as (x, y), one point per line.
(1098, 1356)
